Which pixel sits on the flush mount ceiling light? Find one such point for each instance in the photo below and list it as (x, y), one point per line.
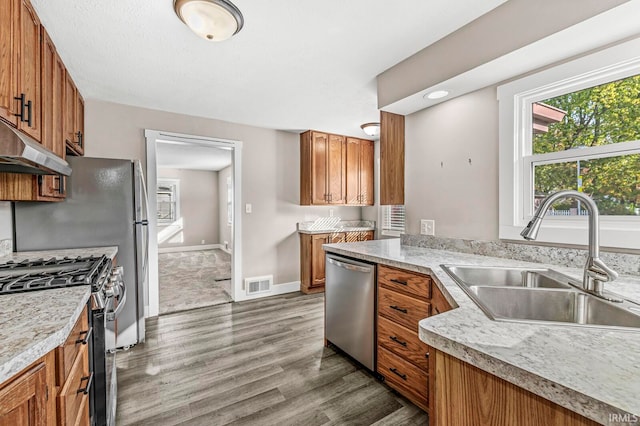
(371, 129)
(214, 20)
(436, 94)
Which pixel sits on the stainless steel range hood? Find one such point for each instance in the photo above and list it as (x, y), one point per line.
(21, 154)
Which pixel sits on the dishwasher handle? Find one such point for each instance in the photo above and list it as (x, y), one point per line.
(349, 266)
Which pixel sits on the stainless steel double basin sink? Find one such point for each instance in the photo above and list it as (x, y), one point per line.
(540, 296)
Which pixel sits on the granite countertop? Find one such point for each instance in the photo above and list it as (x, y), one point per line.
(110, 251)
(592, 371)
(329, 225)
(36, 322)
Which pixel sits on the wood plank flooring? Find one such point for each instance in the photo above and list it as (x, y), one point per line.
(251, 363)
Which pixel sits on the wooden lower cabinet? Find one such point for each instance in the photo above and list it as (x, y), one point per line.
(466, 395)
(53, 390)
(28, 399)
(312, 256)
(405, 362)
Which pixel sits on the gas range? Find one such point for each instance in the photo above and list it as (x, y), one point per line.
(42, 274)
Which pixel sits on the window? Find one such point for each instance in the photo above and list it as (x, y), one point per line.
(168, 200)
(393, 220)
(574, 126)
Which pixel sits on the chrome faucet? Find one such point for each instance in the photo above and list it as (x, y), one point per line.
(596, 273)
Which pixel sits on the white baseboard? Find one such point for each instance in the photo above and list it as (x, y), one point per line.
(276, 289)
(189, 248)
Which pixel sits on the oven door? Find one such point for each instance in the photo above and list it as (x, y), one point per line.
(116, 299)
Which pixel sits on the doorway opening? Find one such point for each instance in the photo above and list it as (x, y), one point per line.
(194, 194)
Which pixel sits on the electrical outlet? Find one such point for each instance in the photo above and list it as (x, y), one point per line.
(330, 212)
(202, 242)
(427, 227)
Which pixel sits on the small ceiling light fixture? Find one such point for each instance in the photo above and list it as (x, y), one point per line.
(436, 94)
(371, 129)
(214, 20)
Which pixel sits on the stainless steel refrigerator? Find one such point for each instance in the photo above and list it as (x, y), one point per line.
(106, 205)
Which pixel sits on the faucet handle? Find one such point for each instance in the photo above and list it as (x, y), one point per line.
(600, 271)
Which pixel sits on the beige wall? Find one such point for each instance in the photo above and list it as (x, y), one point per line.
(199, 213)
(270, 177)
(510, 26)
(440, 182)
(224, 229)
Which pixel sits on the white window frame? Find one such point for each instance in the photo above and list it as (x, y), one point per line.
(175, 196)
(515, 140)
(385, 221)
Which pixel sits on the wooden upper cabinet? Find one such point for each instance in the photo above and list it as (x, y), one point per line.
(322, 169)
(29, 71)
(335, 170)
(53, 74)
(9, 16)
(360, 159)
(391, 159)
(336, 162)
(73, 118)
(20, 92)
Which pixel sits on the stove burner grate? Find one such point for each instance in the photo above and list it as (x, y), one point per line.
(41, 274)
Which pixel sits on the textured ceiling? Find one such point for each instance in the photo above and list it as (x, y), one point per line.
(296, 64)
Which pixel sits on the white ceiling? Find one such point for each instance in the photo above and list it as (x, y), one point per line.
(175, 155)
(296, 64)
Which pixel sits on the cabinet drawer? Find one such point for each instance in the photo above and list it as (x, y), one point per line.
(404, 376)
(402, 309)
(409, 282)
(69, 350)
(75, 389)
(403, 342)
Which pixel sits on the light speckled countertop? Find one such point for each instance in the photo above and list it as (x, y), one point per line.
(36, 322)
(592, 371)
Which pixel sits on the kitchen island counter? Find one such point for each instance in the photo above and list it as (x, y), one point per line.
(34, 323)
(591, 371)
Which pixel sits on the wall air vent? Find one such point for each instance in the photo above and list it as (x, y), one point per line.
(258, 284)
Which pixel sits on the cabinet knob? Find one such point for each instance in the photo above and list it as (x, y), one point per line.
(404, 311)
(22, 100)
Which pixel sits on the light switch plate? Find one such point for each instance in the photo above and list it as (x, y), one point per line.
(427, 227)
(247, 208)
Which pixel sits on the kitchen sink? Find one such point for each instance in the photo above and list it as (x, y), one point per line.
(540, 296)
(507, 277)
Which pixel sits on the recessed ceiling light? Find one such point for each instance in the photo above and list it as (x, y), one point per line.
(436, 94)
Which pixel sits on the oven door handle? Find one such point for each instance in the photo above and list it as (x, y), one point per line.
(112, 316)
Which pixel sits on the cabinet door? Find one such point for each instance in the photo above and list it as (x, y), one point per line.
(336, 165)
(353, 171)
(391, 159)
(318, 259)
(9, 18)
(366, 172)
(319, 171)
(69, 111)
(24, 401)
(52, 87)
(29, 70)
(79, 123)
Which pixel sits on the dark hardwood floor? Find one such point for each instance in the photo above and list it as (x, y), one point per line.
(251, 363)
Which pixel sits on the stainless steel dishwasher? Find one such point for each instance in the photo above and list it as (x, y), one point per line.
(350, 299)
